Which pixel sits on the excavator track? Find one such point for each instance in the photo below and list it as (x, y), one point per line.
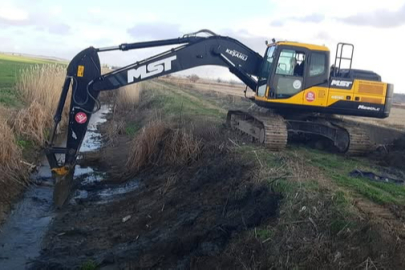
(269, 129)
(272, 130)
(360, 143)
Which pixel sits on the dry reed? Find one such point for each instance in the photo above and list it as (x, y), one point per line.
(128, 97)
(160, 144)
(13, 173)
(11, 168)
(39, 87)
(31, 123)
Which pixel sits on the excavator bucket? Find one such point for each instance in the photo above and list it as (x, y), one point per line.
(63, 185)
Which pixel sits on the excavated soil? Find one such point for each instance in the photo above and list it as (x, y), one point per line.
(170, 218)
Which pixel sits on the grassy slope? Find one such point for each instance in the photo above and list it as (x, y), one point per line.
(10, 67)
(338, 167)
(317, 189)
(335, 167)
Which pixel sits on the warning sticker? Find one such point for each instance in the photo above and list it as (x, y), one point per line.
(310, 96)
(81, 117)
(80, 71)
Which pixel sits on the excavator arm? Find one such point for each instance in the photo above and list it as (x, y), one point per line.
(84, 74)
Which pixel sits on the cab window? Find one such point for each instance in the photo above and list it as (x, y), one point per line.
(291, 63)
(318, 63)
(289, 73)
(265, 71)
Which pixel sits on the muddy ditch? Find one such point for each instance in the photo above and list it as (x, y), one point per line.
(22, 234)
(166, 217)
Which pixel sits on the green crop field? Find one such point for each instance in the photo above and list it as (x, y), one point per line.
(10, 68)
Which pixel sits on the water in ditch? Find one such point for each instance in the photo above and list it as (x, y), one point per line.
(21, 235)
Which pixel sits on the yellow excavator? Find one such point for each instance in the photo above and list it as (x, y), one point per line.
(294, 80)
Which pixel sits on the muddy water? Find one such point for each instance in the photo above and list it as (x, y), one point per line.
(21, 236)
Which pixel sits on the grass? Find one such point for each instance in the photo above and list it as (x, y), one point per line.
(264, 233)
(132, 128)
(175, 102)
(338, 167)
(10, 69)
(89, 265)
(312, 217)
(39, 89)
(32, 86)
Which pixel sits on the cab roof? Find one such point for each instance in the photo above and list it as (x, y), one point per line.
(303, 45)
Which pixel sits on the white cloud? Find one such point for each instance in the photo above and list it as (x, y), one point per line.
(376, 48)
(56, 10)
(95, 10)
(61, 29)
(13, 13)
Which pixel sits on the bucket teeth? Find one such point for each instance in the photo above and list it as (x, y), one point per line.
(62, 188)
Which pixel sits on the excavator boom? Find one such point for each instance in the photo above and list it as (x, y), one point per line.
(84, 74)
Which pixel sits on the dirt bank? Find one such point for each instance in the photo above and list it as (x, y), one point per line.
(238, 206)
(173, 218)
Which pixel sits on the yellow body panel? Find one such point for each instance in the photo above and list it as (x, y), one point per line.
(303, 45)
(364, 91)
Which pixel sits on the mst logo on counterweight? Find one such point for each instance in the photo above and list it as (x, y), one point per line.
(151, 69)
(339, 83)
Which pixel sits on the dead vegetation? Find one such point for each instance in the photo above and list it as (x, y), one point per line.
(125, 102)
(318, 226)
(160, 143)
(13, 172)
(127, 98)
(30, 123)
(39, 87)
(10, 155)
(241, 225)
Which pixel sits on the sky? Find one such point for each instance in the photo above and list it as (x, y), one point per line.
(64, 28)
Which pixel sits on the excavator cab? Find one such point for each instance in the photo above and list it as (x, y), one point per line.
(297, 77)
(288, 68)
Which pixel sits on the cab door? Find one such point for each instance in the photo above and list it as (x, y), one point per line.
(288, 78)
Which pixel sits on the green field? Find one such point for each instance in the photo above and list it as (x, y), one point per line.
(10, 67)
